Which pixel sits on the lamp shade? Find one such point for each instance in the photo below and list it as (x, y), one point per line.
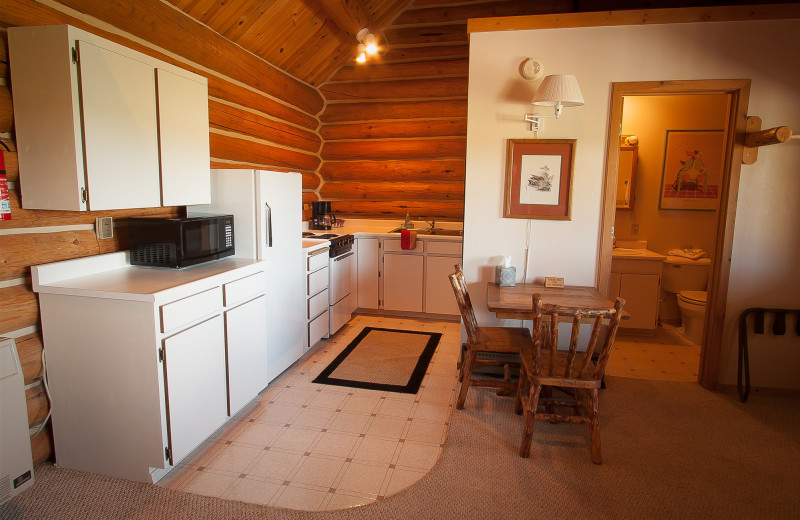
(559, 89)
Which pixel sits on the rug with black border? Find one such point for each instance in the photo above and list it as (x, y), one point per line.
(383, 359)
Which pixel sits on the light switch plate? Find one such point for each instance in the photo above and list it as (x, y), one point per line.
(104, 227)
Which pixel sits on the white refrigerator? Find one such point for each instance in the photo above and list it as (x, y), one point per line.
(268, 225)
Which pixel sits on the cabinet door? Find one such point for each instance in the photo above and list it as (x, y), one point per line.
(439, 297)
(246, 339)
(367, 253)
(641, 293)
(118, 100)
(183, 140)
(194, 383)
(402, 282)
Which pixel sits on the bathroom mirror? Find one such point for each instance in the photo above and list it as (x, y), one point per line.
(626, 176)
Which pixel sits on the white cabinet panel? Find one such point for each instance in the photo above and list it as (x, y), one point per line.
(318, 328)
(246, 340)
(367, 258)
(121, 157)
(402, 282)
(317, 281)
(183, 134)
(240, 290)
(194, 307)
(439, 297)
(194, 382)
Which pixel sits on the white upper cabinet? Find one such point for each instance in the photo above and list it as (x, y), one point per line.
(87, 123)
(120, 133)
(183, 130)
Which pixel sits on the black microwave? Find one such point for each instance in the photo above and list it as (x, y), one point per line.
(180, 242)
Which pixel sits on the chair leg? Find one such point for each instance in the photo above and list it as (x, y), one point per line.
(466, 376)
(522, 386)
(594, 425)
(530, 418)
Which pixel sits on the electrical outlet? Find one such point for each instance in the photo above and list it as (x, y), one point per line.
(104, 227)
(634, 229)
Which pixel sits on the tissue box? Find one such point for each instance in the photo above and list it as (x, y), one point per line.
(505, 276)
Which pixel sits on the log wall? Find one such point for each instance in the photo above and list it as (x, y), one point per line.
(259, 117)
(394, 129)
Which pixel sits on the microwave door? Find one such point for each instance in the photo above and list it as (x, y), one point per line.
(268, 224)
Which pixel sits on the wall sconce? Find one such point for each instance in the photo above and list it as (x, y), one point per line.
(558, 90)
(367, 44)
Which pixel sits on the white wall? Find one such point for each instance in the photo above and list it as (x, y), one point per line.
(766, 249)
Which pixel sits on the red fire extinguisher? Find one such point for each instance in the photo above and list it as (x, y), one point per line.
(5, 202)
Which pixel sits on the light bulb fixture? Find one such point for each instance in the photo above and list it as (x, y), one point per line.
(367, 44)
(558, 91)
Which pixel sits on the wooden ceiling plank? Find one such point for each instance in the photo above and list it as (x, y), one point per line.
(462, 13)
(348, 15)
(173, 30)
(427, 35)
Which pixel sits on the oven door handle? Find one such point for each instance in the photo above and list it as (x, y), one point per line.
(342, 257)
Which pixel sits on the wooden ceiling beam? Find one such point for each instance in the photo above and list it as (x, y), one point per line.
(349, 15)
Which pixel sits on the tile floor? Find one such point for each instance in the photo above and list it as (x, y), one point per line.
(315, 447)
(664, 356)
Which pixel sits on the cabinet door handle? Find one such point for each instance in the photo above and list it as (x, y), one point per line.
(268, 223)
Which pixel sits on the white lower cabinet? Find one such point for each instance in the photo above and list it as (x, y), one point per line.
(317, 296)
(194, 385)
(246, 352)
(639, 282)
(368, 267)
(439, 297)
(143, 363)
(402, 282)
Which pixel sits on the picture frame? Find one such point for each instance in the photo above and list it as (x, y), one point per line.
(691, 176)
(539, 179)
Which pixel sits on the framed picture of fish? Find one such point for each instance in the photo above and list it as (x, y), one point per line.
(692, 170)
(539, 178)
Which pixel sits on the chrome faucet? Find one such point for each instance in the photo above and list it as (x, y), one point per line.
(432, 223)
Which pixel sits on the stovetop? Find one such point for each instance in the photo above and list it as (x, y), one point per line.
(340, 243)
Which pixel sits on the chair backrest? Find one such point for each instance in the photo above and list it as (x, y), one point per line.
(545, 338)
(464, 303)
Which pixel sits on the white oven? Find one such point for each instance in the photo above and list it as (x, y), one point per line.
(340, 278)
(340, 270)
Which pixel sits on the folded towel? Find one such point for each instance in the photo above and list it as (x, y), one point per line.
(692, 254)
(408, 239)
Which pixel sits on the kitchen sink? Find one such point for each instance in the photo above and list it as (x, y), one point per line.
(434, 231)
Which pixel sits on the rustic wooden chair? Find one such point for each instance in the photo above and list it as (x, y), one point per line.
(571, 373)
(503, 340)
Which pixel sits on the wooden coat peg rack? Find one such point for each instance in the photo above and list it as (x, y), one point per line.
(755, 137)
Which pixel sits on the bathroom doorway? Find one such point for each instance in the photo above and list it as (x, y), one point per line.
(654, 111)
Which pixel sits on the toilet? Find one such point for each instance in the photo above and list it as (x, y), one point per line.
(688, 280)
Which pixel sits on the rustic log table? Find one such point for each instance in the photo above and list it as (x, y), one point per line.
(516, 302)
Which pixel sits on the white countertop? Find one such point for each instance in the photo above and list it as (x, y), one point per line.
(381, 228)
(112, 276)
(636, 254)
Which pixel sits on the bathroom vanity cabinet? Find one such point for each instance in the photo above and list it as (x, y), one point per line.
(637, 279)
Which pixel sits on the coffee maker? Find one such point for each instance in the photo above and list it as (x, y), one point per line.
(321, 216)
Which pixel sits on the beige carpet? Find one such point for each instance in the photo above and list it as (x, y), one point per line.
(671, 450)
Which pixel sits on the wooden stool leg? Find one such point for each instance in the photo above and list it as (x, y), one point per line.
(594, 425)
(530, 417)
(465, 378)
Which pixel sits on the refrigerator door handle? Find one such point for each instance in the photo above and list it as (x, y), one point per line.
(268, 223)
